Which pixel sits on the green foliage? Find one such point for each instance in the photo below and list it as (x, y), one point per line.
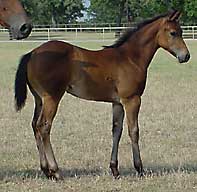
(54, 11)
(106, 11)
(190, 15)
(110, 10)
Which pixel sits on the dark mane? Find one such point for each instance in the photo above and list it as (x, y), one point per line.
(126, 35)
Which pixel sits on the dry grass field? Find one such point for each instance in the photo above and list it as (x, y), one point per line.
(81, 134)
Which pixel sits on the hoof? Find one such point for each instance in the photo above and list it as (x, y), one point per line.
(117, 177)
(55, 176)
(141, 174)
(114, 169)
(52, 175)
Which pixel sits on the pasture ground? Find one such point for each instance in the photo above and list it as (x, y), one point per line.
(81, 134)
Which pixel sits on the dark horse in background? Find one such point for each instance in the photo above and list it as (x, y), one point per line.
(115, 74)
(14, 18)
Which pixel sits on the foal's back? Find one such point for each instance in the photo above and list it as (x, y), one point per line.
(91, 75)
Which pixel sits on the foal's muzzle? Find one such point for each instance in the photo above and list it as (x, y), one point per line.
(20, 27)
(183, 58)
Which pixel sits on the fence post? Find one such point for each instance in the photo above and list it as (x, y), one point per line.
(193, 32)
(76, 33)
(103, 34)
(48, 34)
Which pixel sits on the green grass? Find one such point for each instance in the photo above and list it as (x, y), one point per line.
(81, 134)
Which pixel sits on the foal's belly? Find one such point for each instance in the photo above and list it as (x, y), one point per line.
(91, 90)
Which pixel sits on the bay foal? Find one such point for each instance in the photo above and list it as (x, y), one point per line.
(115, 74)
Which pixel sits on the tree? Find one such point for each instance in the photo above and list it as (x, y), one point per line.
(63, 11)
(103, 10)
(117, 11)
(54, 11)
(154, 7)
(107, 11)
(188, 8)
(190, 13)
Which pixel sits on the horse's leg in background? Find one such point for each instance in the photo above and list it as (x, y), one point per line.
(132, 107)
(37, 134)
(118, 116)
(49, 109)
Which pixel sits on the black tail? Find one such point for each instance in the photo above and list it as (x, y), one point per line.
(21, 82)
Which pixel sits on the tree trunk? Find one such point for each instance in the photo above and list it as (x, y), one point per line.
(119, 19)
(53, 16)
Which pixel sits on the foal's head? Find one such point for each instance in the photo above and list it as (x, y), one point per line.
(170, 37)
(13, 17)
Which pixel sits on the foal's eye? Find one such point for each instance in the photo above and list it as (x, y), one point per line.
(173, 33)
(5, 9)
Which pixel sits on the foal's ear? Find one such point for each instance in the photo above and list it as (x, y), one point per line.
(174, 16)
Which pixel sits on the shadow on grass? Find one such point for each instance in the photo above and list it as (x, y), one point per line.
(151, 171)
(11, 174)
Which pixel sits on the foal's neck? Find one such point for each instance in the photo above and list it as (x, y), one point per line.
(142, 45)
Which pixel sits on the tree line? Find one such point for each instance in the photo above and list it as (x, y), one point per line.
(54, 11)
(106, 11)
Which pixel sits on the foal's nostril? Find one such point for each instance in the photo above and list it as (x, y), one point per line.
(187, 57)
(26, 29)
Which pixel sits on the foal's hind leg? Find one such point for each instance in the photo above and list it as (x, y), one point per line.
(118, 116)
(132, 107)
(38, 137)
(44, 124)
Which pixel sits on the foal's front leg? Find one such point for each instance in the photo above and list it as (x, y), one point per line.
(132, 106)
(118, 116)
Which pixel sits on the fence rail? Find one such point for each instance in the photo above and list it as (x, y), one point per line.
(84, 34)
